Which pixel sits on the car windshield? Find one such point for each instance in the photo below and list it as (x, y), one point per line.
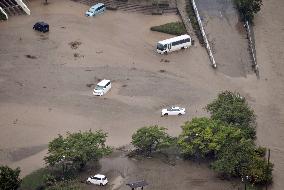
(99, 87)
(160, 47)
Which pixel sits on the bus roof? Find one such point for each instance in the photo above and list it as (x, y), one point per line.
(185, 36)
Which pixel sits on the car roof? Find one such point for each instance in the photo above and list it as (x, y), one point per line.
(99, 176)
(97, 5)
(42, 23)
(103, 82)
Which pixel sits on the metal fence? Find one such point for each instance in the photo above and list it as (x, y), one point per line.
(209, 50)
(252, 47)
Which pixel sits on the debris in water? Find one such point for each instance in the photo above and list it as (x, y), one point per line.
(31, 56)
(75, 44)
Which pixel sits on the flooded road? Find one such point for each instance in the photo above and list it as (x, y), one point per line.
(227, 36)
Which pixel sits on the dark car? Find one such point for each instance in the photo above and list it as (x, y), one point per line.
(41, 26)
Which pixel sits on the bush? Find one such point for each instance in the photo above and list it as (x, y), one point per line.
(9, 178)
(174, 28)
(260, 151)
(151, 139)
(65, 185)
(248, 8)
(35, 180)
(259, 171)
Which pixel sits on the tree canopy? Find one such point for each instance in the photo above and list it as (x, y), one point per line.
(203, 137)
(232, 109)
(77, 148)
(9, 178)
(248, 8)
(231, 153)
(150, 139)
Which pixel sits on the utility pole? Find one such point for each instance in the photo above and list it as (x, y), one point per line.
(267, 168)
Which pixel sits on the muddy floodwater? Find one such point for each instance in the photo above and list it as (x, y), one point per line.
(46, 83)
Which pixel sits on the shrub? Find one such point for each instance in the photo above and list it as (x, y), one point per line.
(150, 139)
(260, 151)
(248, 8)
(9, 178)
(174, 28)
(259, 171)
(35, 180)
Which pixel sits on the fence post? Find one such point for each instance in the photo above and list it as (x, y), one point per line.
(252, 48)
(209, 50)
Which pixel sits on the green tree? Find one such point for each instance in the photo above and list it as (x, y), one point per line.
(248, 8)
(234, 158)
(203, 137)
(241, 158)
(232, 109)
(9, 178)
(77, 149)
(260, 171)
(150, 139)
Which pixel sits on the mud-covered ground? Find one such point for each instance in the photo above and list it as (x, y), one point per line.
(46, 86)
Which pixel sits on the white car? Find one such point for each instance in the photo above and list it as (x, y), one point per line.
(98, 179)
(102, 87)
(173, 111)
(96, 9)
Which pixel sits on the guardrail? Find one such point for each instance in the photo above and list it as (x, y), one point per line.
(4, 13)
(252, 47)
(24, 6)
(209, 50)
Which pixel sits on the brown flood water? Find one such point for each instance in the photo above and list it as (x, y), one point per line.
(45, 89)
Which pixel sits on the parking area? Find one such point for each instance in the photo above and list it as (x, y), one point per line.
(47, 79)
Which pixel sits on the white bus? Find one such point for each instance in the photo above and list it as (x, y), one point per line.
(173, 44)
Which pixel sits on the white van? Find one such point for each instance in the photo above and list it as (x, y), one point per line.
(102, 87)
(173, 44)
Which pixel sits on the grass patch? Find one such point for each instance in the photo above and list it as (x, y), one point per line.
(34, 180)
(174, 28)
(194, 22)
(66, 185)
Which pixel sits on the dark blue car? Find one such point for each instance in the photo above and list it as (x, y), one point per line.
(41, 26)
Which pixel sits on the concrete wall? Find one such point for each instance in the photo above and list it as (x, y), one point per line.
(3, 12)
(24, 6)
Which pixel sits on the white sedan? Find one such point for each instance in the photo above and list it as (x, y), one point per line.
(173, 111)
(98, 179)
